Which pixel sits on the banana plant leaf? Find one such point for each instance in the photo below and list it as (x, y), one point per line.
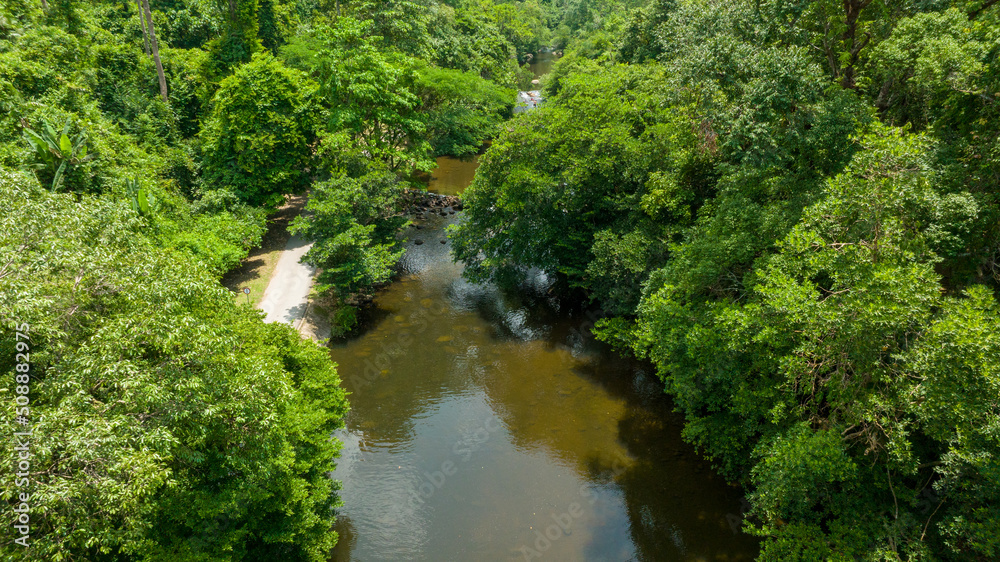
(143, 202)
(57, 180)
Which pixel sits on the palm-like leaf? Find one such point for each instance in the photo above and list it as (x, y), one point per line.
(58, 153)
(57, 179)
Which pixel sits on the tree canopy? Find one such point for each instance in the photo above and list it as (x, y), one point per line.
(791, 210)
(257, 139)
(194, 430)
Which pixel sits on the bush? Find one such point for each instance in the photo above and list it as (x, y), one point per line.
(221, 241)
(44, 58)
(257, 142)
(195, 430)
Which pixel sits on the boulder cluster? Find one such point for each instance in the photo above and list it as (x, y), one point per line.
(422, 204)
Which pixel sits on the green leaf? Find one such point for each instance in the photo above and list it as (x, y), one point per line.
(64, 144)
(57, 179)
(33, 139)
(142, 201)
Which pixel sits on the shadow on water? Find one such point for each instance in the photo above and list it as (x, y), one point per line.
(481, 416)
(490, 425)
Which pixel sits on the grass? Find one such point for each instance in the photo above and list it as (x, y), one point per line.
(256, 270)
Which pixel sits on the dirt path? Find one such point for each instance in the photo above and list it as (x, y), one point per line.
(279, 285)
(256, 270)
(287, 295)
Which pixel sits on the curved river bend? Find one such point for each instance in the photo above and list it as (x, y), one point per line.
(486, 426)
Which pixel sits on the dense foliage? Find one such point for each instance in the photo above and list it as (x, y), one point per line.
(142, 147)
(791, 209)
(354, 221)
(169, 422)
(257, 138)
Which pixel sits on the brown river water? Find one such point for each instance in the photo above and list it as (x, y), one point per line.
(491, 426)
(452, 175)
(542, 63)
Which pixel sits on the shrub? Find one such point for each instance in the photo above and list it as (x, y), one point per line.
(257, 142)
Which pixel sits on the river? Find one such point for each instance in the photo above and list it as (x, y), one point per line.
(480, 419)
(492, 426)
(542, 63)
(452, 175)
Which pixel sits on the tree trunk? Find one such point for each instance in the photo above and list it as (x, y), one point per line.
(142, 25)
(852, 13)
(45, 6)
(156, 51)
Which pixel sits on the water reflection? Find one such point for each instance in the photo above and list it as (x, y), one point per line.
(542, 63)
(452, 175)
(483, 421)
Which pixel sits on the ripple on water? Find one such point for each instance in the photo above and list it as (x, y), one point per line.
(479, 418)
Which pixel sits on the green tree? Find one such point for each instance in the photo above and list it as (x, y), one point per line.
(239, 41)
(563, 173)
(640, 40)
(44, 60)
(194, 429)
(928, 61)
(270, 34)
(257, 141)
(65, 13)
(368, 89)
(821, 372)
(400, 23)
(461, 111)
(469, 38)
(521, 24)
(354, 222)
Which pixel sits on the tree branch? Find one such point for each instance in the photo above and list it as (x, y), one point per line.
(985, 5)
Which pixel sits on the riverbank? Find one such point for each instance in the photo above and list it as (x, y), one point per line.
(418, 203)
(481, 419)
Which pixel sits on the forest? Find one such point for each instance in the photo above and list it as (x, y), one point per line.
(789, 209)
